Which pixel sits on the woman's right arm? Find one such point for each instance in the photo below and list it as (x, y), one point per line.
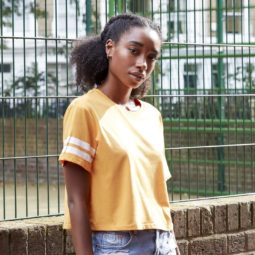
(77, 186)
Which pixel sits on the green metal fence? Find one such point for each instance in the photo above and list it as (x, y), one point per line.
(204, 85)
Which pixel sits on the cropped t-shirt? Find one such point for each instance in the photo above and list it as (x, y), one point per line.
(124, 153)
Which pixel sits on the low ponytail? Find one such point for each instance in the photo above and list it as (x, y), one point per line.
(90, 61)
(89, 56)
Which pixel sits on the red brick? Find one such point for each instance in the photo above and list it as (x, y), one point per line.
(236, 243)
(36, 240)
(213, 245)
(253, 214)
(183, 247)
(4, 241)
(245, 216)
(180, 223)
(250, 240)
(206, 221)
(18, 241)
(193, 222)
(233, 217)
(54, 240)
(220, 218)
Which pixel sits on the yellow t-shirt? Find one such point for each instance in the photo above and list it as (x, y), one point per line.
(124, 153)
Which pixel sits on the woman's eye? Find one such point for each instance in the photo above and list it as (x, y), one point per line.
(133, 51)
(152, 57)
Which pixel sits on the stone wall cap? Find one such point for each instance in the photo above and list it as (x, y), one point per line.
(212, 201)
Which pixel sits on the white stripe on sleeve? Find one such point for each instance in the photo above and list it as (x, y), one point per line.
(80, 143)
(77, 152)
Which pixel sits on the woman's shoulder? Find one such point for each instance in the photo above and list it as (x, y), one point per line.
(150, 108)
(85, 101)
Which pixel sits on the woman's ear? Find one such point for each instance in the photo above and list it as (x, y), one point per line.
(109, 48)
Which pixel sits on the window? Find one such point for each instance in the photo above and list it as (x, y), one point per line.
(5, 68)
(233, 14)
(174, 28)
(140, 6)
(177, 18)
(233, 24)
(213, 22)
(176, 5)
(233, 5)
(171, 5)
(214, 73)
(232, 17)
(190, 78)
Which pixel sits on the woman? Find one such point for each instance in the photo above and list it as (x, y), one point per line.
(114, 164)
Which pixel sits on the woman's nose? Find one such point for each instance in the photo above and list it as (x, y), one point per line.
(141, 63)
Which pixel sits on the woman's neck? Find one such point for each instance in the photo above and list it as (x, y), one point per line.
(117, 93)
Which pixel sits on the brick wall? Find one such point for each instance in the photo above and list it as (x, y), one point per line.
(208, 227)
(216, 226)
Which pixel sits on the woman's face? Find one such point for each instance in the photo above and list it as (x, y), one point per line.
(133, 57)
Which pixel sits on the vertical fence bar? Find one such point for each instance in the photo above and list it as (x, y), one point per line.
(111, 8)
(228, 89)
(212, 11)
(203, 73)
(195, 90)
(47, 107)
(57, 94)
(220, 138)
(232, 9)
(243, 91)
(25, 112)
(3, 115)
(88, 17)
(36, 117)
(249, 88)
(14, 116)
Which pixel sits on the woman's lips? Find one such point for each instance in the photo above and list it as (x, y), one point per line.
(138, 76)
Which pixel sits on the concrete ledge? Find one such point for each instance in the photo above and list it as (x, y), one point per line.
(209, 226)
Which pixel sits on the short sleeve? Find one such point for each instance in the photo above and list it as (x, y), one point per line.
(79, 137)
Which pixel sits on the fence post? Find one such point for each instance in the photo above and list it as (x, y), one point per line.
(220, 90)
(111, 8)
(88, 17)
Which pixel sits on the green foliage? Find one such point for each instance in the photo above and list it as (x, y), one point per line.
(30, 85)
(9, 8)
(246, 74)
(31, 82)
(77, 6)
(35, 9)
(14, 7)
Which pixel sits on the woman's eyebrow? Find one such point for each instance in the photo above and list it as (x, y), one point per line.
(137, 43)
(141, 45)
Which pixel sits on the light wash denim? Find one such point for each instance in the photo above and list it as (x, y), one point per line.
(140, 242)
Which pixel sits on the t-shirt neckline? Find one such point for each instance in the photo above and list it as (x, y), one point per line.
(119, 106)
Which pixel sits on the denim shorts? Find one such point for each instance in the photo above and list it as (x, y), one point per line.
(140, 242)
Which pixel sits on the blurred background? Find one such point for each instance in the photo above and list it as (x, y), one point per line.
(204, 85)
